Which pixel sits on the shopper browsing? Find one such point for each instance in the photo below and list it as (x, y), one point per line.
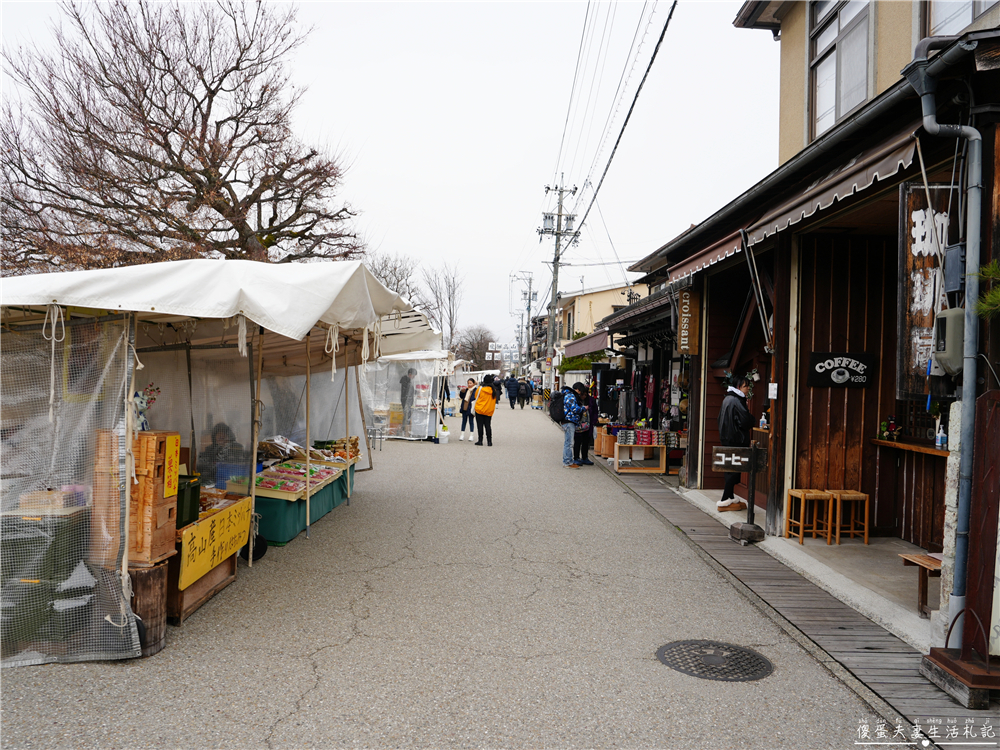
(571, 419)
(468, 398)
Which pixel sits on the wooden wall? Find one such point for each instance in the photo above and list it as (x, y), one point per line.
(727, 295)
(848, 304)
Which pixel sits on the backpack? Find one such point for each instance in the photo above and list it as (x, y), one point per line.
(485, 401)
(584, 425)
(557, 412)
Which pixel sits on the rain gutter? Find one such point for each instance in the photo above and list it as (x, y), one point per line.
(920, 74)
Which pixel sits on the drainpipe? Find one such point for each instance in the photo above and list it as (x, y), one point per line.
(924, 82)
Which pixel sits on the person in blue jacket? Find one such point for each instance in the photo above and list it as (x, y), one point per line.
(571, 410)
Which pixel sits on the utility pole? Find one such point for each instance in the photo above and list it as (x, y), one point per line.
(530, 296)
(555, 225)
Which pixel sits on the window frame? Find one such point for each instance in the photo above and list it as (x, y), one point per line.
(818, 25)
(979, 9)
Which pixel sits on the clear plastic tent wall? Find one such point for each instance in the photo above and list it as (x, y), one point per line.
(204, 394)
(401, 395)
(335, 407)
(62, 499)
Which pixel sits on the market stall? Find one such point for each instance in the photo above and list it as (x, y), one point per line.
(72, 346)
(403, 393)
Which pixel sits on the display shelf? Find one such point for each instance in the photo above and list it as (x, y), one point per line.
(912, 447)
(660, 468)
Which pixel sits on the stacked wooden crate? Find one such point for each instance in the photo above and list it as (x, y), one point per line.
(153, 498)
(105, 518)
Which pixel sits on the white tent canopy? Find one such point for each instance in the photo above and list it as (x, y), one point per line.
(408, 331)
(285, 298)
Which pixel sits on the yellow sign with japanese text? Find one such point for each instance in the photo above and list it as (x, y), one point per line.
(208, 542)
(171, 465)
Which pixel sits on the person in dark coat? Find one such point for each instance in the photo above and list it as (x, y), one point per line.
(510, 384)
(523, 392)
(406, 397)
(735, 423)
(584, 436)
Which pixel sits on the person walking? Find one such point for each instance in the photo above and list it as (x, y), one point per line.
(523, 392)
(584, 436)
(485, 404)
(511, 386)
(468, 398)
(571, 419)
(734, 431)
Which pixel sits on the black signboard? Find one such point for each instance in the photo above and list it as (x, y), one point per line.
(842, 370)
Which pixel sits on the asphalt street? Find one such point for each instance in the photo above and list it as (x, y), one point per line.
(469, 597)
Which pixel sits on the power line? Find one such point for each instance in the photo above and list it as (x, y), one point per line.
(572, 91)
(630, 111)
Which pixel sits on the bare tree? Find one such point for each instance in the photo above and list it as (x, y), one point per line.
(399, 273)
(155, 131)
(444, 287)
(472, 344)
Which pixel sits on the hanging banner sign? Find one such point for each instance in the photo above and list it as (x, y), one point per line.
(841, 370)
(208, 542)
(688, 323)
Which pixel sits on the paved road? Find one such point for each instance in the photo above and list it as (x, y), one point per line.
(469, 597)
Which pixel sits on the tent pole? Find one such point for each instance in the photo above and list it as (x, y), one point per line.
(364, 424)
(347, 418)
(251, 537)
(308, 441)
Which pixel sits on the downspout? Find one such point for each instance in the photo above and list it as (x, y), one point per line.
(924, 82)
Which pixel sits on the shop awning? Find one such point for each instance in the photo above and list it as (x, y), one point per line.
(879, 162)
(593, 342)
(708, 257)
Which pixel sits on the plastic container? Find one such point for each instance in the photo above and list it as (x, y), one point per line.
(188, 498)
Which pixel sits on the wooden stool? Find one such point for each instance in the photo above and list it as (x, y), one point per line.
(854, 527)
(818, 525)
(928, 567)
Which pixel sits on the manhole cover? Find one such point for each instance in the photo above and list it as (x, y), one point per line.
(711, 660)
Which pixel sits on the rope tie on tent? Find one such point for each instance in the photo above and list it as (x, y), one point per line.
(378, 338)
(364, 349)
(332, 347)
(241, 343)
(53, 317)
(398, 319)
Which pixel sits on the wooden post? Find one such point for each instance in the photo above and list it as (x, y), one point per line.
(308, 440)
(364, 425)
(347, 417)
(256, 438)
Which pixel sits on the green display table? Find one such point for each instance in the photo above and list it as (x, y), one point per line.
(283, 520)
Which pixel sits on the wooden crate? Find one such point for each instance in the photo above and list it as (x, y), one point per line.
(182, 604)
(152, 524)
(106, 499)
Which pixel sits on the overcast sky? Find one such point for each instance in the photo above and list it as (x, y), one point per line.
(450, 118)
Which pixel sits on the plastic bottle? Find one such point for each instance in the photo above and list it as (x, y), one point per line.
(941, 441)
(763, 421)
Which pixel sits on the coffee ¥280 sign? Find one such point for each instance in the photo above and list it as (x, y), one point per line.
(841, 370)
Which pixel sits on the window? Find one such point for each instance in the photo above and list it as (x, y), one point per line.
(839, 60)
(950, 17)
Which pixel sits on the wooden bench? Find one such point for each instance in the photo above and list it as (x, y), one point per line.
(929, 567)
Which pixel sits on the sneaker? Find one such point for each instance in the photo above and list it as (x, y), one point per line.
(462, 437)
(587, 463)
(571, 466)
